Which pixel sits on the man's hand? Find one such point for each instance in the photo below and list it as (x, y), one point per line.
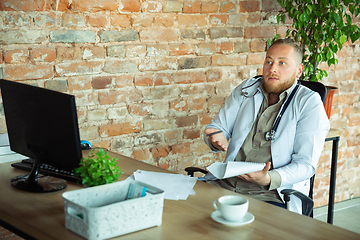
(217, 140)
(261, 177)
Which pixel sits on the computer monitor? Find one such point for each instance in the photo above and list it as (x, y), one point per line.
(42, 124)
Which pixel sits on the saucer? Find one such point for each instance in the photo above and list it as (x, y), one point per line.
(248, 218)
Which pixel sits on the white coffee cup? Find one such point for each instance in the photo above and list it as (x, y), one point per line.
(232, 207)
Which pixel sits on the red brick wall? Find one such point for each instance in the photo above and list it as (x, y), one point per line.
(149, 75)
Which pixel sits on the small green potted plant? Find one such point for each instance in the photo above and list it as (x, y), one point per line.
(98, 169)
(321, 28)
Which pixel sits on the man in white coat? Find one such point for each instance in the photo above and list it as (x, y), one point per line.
(249, 117)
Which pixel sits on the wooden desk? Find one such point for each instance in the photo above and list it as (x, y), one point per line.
(42, 215)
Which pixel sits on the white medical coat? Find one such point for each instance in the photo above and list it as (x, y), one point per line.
(299, 139)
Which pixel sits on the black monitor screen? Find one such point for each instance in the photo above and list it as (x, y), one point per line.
(42, 124)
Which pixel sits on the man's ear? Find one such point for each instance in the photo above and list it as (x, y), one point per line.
(299, 70)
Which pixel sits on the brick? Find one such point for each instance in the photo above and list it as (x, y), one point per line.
(43, 54)
(241, 47)
(1, 57)
(191, 134)
(227, 7)
(159, 109)
(257, 46)
(197, 104)
(158, 124)
(129, 6)
(119, 36)
(270, 6)
(50, 19)
(27, 72)
(119, 96)
(152, 7)
(144, 80)
(16, 56)
(191, 20)
(213, 75)
(218, 20)
(147, 139)
(120, 129)
(172, 6)
(79, 83)
(142, 21)
(225, 47)
(194, 62)
(157, 50)
(78, 68)
(109, 97)
(179, 106)
(96, 20)
(73, 20)
(159, 35)
(228, 32)
(141, 154)
(117, 112)
(259, 32)
(120, 20)
(139, 109)
(182, 77)
(256, 18)
(57, 85)
(187, 121)
(354, 122)
(193, 34)
(207, 49)
(209, 7)
(256, 58)
(172, 135)
(102, 82)
(164, 21)
(96, 115)
(160, 152)
(93, 5)
(120, 66)
(26, 6)
(92, 52)
(158, 64)
(182, 49)
(136, 50)
(205, 118)
(116, 51)
(180, 148)
(68, 53)
(191, 90)
(229, 60)
(72, 36)
(159, 92)
(249, 6)
(16, 20)
(193, 7)
(237, 19)
(86, 98)
(123, 80)
(63, 6)
(22, 37)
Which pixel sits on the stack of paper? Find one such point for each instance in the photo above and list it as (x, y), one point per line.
(176, 186)
(232, 169)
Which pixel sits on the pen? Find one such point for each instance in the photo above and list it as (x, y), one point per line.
(210, 134)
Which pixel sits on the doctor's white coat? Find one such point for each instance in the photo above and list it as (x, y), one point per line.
(299, 139)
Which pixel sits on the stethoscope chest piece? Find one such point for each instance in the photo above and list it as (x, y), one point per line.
(270, 136)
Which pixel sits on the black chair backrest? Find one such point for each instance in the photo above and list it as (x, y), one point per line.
(316, 87)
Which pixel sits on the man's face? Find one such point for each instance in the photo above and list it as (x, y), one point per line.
(280, 68)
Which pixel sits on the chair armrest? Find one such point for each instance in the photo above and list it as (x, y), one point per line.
(190, 170)
(307, 203)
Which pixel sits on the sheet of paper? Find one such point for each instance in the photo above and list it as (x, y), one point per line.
(176, 186)
(232, 169)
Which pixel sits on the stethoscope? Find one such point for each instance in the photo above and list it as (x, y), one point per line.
(270, 136)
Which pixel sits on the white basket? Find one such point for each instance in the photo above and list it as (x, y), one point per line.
(102, 212)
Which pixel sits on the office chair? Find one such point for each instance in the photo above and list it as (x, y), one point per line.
(306, 201)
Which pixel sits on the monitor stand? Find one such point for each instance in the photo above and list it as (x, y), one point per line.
(35, 182)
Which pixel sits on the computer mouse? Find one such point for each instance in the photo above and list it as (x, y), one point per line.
(84, 145)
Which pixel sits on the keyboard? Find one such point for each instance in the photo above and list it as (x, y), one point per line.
(46, 169)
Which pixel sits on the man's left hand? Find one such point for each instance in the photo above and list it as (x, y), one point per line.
(261, 177)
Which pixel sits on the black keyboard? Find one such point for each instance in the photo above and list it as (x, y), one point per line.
(46, 169)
